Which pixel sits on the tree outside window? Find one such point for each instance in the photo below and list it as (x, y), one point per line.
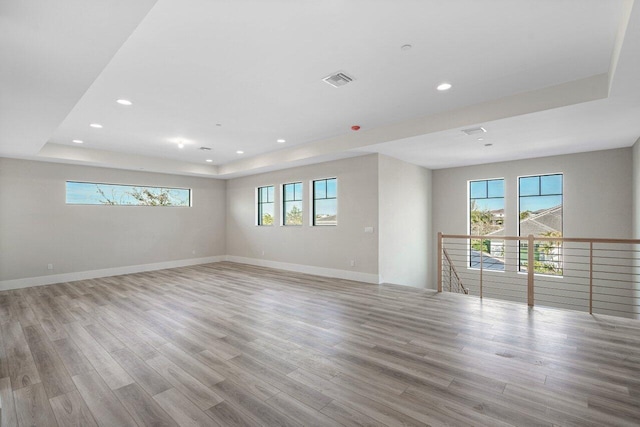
(266, 205)
(292, 203)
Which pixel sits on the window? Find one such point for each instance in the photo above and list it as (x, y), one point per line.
(292, 204)
(265, 205)
(325, 202)
(540, 210)
(486, 218)
(91, 193)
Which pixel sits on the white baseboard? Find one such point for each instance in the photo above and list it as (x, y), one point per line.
(27, 282)
(308, 269)
(106, 272)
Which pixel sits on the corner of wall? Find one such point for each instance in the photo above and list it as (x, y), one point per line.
(636, 189)
(405, 237)
(635, 208)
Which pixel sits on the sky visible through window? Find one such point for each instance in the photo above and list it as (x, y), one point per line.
(325, 203)
(329, 204)
(488, 194)
(89, 193)
(540, 192)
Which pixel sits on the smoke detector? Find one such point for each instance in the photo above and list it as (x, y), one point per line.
(474, 131)
(338, 79)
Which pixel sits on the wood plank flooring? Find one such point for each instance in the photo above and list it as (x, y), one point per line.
(234, 345)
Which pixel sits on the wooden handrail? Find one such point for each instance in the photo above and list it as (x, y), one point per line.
(544, 239)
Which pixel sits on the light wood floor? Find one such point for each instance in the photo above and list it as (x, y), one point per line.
(227, 344)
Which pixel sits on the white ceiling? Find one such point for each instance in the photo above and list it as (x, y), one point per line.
(543, 77)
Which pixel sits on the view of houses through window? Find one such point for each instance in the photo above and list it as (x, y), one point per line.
(486, 218)
(540, 215)
(265, 205)
(540, 211)
(325, 202)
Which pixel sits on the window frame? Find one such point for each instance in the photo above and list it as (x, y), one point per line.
(504, 208)
(68, 181)
(258, 203)
(561, 260)
(283, 217)
(313, 201)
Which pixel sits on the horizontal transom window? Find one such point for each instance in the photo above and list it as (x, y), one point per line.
(92, 193)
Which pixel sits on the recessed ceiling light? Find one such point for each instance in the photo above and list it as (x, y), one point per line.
(124, 102)
(281, 141)
(208, 160)
(96, 125)
(406, 47)
(240, 152)
(78, 141)
(480, 139)
(444, 86)
(180, 145)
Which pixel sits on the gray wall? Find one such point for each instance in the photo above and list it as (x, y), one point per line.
(325, 247)
(597, 203)
(405, 239)
(37, 227)
(597, 192)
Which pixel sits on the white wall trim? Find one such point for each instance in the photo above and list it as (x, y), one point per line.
(308, 269)
(27, 282)
(106, 272)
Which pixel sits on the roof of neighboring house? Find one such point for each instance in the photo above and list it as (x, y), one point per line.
(498, 232)
(543, 221)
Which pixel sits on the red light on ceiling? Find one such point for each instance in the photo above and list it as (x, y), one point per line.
(355, 127)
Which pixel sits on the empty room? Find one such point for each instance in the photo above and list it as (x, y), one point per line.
(319, 213)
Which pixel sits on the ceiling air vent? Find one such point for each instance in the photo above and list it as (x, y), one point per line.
(338, 79)
(205, 148)
(474, 131)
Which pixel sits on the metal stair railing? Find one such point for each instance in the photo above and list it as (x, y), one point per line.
(455, 283)
(585, 274)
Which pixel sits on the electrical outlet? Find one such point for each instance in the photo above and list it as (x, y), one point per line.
(49, 266)
(353, 263)
(262, 253)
